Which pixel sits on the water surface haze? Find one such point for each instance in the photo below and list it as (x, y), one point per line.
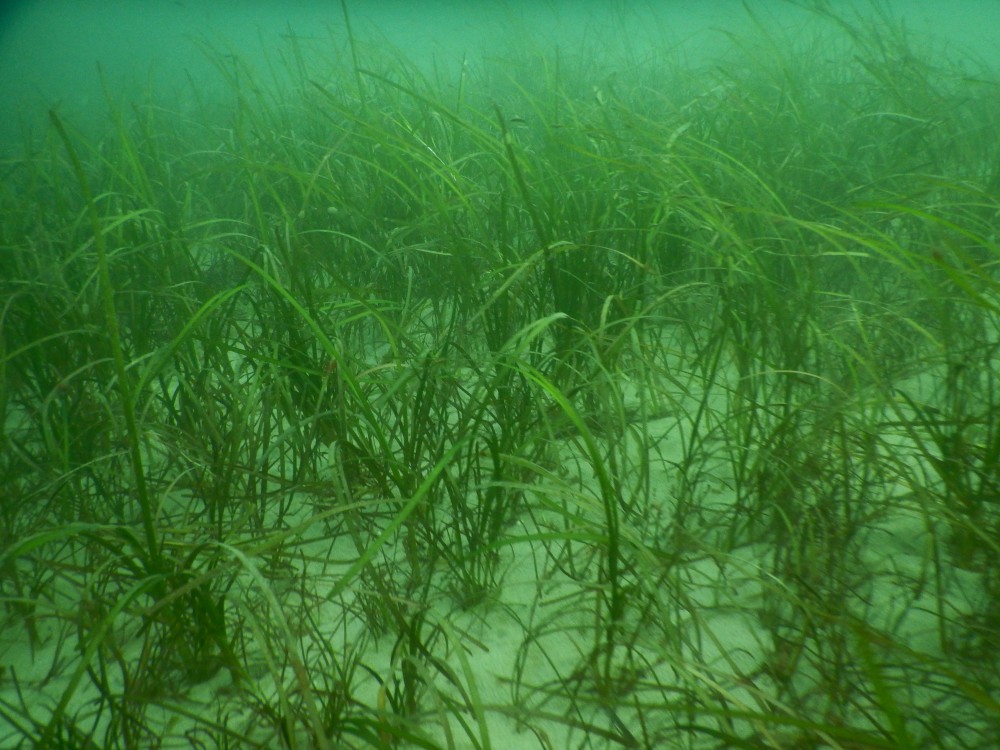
(54, 53)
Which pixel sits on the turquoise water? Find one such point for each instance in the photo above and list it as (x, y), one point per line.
(537, 376)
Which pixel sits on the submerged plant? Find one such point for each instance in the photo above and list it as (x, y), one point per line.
(599, 405)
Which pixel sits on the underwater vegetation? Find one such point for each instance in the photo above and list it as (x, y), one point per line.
(551, 404)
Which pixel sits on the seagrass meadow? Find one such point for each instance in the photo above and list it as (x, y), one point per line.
(538, 402)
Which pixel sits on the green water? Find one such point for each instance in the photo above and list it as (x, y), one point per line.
(566, 397)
